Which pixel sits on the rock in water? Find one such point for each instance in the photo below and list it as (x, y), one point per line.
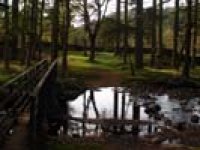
(195, 119)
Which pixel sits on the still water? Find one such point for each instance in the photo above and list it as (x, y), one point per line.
(104, 100)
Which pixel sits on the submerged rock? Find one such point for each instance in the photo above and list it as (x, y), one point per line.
(153, 109)
(195, 118)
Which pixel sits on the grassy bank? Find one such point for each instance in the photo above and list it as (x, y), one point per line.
(108, 65)
(80, 66)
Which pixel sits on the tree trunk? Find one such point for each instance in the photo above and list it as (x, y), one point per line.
(23, 33)
(15, 27)
(160, 28)
(125, 32)
(55, 30)
(139, 35)
(41, 30)
(195, 38)
(32, 33)
(7, 39)
(186, 67)
(92, 47)
(154, 33)
(66, 32)
(176, 34)
(35, 28)
(85, 47)
(118, 14)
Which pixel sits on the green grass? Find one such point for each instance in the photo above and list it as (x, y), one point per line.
(81, 66)
(77, 146)
(105, 61)
(15, 68)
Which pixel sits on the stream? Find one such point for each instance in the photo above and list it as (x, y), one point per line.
(118, 102)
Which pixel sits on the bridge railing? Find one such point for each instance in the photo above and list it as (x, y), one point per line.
(25, 75)
(16, 96)
(39, 96)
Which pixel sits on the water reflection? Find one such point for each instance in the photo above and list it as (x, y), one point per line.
(120, 104)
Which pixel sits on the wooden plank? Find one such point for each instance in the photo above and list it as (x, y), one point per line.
(112, 121)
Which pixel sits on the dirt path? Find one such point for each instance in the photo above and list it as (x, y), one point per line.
(104, 78)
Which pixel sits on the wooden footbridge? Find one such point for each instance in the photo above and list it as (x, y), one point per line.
(27, 91)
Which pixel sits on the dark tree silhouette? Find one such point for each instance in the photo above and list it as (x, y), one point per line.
(176, 34)
(139, 35)
(7, 38)
(186, 66)
(55, 30)
(154, 32)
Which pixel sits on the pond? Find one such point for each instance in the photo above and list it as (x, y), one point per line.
(121, 103)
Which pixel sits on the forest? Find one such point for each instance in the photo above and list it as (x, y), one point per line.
(100, 74)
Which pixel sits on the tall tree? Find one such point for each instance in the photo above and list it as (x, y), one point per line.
(118, 21)
(32, 32)
(15, 26)
(186, 66)
(66, 23)
(24, 32)
(7, 38)
(139, 35)
(160, 27)
(92, 26)
(55, 30)
(195, 38)
(125, 32)
(154, 32)
(41, 29)
(176, 34)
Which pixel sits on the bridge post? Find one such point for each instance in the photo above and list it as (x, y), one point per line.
(115, 113)
(136, 116)
(84, 113)
(123, 108)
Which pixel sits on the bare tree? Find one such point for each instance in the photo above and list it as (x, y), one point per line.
(92, 26)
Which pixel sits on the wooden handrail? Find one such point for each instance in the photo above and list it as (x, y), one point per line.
(19, 97)
(41, 83)
(10, 82)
